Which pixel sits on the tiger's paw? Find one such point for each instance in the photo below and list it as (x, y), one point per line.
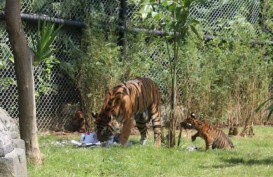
(193, 138)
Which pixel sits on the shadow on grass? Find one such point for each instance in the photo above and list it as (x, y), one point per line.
(240, 161)
(236, 161)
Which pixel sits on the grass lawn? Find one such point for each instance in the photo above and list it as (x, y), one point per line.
(252, 156)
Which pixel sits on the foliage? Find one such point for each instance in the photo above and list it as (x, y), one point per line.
(225, 80)
(4, 65)
(42, 45)
(174, 17)
(43, 74)
(222, 79)
(6, 82)
(268, 27)
(96, 65)
(2, 4)
(71, 9)
(269, 108)
(63, 9)
(6, 52)
(144, 59)
(250, 157)
(267, 15)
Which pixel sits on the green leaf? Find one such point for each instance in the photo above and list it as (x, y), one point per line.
(262, 105)
(269, 115)
(165, 3)
(45, 38)
(146, 10)
(270, 108)
(145, 1)
(195, 31)
(2, 64)
(11, 59)
(154, 14)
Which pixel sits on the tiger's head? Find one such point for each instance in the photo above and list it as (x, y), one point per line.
(103, 127)
(110, 110)
(190, 122)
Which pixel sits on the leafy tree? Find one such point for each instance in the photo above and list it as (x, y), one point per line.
(174, 17)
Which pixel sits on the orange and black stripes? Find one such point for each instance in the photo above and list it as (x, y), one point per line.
(214, 138)
(137, 99)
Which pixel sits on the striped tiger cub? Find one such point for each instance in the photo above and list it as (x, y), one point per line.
(213, 137)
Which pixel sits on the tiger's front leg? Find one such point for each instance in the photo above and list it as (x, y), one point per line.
(126, 130)
(209, 142)
(193, 137)
(127, 120)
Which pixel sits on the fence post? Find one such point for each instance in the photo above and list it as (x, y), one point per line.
(123, 27)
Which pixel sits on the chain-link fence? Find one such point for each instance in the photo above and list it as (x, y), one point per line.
(57, 97)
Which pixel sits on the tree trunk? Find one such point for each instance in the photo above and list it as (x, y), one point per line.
(25, 81)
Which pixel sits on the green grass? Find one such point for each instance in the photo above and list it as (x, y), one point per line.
(252, 156)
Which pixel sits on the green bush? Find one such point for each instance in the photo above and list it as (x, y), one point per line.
(225, 79)
(95, 68)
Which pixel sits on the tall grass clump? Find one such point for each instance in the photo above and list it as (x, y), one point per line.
(223, 79)
(226, 78)
(96, 65)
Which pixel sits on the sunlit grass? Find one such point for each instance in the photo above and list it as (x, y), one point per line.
(252, 156)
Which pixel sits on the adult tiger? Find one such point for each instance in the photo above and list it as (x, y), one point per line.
(139, 98)
(213, 137)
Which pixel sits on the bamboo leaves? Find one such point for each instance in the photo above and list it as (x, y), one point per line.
(269, 108)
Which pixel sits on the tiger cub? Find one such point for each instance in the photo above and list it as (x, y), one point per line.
(213, 137)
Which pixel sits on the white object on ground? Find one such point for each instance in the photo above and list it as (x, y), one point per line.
(192, 148)
(89, 138)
